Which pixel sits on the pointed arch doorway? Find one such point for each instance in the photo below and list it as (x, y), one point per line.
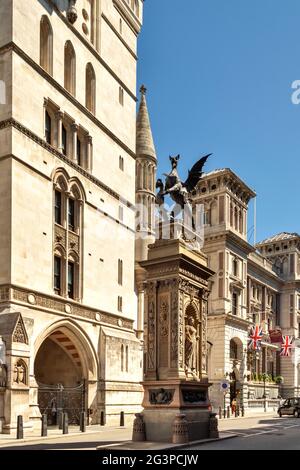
(61, 379)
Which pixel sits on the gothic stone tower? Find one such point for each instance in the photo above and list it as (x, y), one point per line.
(146, 164)
(68, 310)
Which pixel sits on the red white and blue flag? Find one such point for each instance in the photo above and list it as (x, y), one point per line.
(286, 347)
(255, 337)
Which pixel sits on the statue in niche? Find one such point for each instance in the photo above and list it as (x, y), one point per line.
(3, 374)
(19, 375)
(191, 346)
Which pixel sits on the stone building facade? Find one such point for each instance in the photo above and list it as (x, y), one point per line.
(251, 286)
(68, 309)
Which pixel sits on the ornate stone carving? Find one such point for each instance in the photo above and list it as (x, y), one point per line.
(181, 331)
(164, 318)
(174, 328)
(72, 12)
(60, 236)
(180, 430)
(49, 303)
(20, 335)
(161, 396)
(3, 375)
(74, 242)
(191, 346)
(194, 396)
(20, 373)
(151, 333)
(139, 429)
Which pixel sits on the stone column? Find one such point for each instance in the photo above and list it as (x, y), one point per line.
(74, 128)
(59, 118)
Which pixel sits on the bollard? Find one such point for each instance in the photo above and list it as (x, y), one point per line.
(139, 429)
(224, 413)
(220, 412)
(243, 411)
(44, 431)
(236, 412)
(228, 411)
(20, 429)
(60, 419)
(180, 430)
(213, 426)
(122, 419)
(83, 421)
(102, 419)
(65, 426)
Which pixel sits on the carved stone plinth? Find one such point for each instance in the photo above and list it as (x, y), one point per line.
(176, 343)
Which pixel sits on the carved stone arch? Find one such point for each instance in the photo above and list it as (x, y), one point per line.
(192, 308)
(73, 257)
(76, 189)
(61, 179)
(59, 250)
(79, 338)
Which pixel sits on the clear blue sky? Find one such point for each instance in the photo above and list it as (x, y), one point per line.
(219, 75)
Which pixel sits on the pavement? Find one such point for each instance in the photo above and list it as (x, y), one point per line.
(112, 437)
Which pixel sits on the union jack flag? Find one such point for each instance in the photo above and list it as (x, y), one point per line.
(287, 344)
(255, 337)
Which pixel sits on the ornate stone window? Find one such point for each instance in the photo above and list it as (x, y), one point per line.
(70, 68)
(46, 45)
(68, 224)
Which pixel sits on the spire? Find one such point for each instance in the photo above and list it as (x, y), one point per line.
(144, 139)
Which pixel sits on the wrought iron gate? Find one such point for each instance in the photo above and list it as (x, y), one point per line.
(56, 399)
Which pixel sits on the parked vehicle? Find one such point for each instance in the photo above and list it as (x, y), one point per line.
(290, 407)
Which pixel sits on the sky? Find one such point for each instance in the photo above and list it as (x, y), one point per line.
(219, 75)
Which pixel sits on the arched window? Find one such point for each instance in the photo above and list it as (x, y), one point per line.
(233, 349)
(90, 88)
(46, 45)
(70, 68)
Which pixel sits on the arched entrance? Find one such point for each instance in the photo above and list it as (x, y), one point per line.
(62, 369)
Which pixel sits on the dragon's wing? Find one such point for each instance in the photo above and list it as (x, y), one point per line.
(195, 174)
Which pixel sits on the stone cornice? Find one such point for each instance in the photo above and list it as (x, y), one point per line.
(231, 319)
(16, 49)
(228, 235)
(58, 305)
(91, 48)
(119, 36)
(128, 15)
(38, 140)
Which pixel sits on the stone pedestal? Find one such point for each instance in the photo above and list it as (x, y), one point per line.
(176, 380)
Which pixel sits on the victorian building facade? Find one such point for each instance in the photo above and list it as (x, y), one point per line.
(68, 309)
(251, 286)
